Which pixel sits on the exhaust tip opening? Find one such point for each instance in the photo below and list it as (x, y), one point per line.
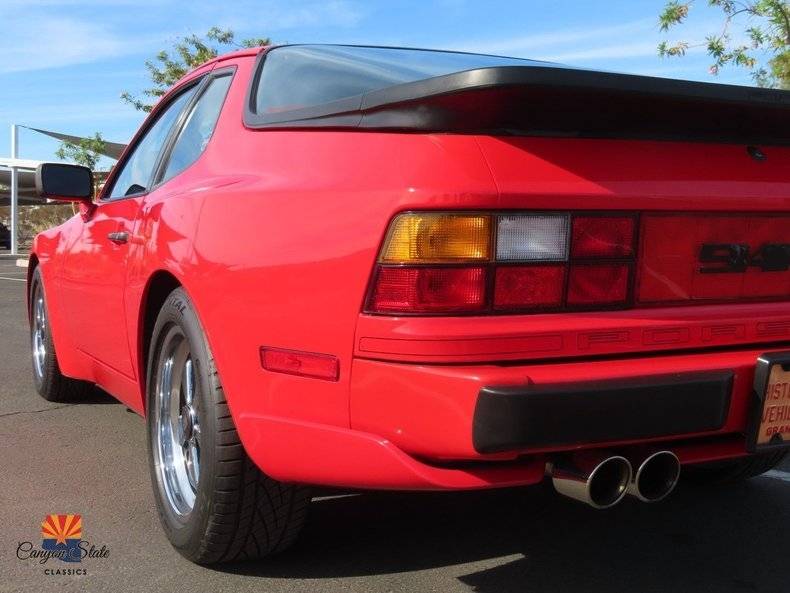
(657, 476)
(608, 483)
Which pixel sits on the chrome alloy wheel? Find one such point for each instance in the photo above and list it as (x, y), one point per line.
(177, 448)
(39, 334)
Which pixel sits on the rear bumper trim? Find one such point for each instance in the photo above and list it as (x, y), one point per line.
(510, 418)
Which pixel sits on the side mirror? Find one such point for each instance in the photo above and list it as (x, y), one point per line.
(70, 183)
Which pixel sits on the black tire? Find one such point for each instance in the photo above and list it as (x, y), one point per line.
(239, 513)
(737, 470)
(50, 383)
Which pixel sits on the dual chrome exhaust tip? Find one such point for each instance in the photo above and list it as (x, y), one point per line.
(594, 478)
(656, 477)
(602, 480)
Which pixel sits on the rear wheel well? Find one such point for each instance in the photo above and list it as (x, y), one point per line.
(160, 285)
(31, 268)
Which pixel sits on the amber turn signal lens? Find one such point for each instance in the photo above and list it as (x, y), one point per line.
(437, 238)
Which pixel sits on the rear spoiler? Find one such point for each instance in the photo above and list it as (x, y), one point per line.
(545, 100)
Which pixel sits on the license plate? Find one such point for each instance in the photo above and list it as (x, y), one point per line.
(770, 423)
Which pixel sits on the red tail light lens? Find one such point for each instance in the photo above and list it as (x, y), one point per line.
(428, 290)
(696, 258)
(447, 263)
(603, 236)
(529, 287)
(598, 284)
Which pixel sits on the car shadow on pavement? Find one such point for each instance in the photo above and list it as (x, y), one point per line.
(531, 540)
(96, 396)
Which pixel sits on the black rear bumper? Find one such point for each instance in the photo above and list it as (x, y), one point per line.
(538, 416)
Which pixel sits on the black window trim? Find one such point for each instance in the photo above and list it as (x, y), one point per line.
(140, 135)
(199, 84)
(250, 109)
(170, 142)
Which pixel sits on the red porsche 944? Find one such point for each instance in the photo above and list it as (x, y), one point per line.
(387, 268)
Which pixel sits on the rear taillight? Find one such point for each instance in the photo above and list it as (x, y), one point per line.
(429, 290)
(466, 263)
(603, 236)
(529, 287)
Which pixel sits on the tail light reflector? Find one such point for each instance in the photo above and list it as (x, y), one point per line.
(598, 284)
(603, 236)
(529, 287)
(701, 258)
(428, 290)
(303, 364)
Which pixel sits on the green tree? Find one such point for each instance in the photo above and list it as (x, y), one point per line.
(86, 152)
(165, 69)
(187, 53)
(763, 33)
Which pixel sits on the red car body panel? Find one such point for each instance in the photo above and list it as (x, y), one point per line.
(274, 235)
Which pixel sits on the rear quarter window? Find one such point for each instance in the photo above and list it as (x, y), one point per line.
(198, 127)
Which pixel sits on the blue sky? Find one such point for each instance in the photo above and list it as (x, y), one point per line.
(65, 62)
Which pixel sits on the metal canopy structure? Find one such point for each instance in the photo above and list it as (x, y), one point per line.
(26, 170)
(112, 150)
(18, 177)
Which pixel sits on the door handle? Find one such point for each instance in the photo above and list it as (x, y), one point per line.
(118, 237)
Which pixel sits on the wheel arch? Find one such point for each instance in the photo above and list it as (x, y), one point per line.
(32, 264)
(160, 284)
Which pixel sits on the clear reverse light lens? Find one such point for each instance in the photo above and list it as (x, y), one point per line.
(532, 238)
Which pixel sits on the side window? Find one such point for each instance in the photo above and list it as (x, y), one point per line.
(136, 173)
(198, 128)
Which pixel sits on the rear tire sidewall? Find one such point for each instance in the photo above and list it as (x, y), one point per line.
(184, 532)
(45, 383)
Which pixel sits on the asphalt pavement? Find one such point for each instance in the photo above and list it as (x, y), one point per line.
(89, 458)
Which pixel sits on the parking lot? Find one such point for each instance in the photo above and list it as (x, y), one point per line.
(89, 458)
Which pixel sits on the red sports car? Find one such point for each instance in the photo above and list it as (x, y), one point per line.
(389, 268)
